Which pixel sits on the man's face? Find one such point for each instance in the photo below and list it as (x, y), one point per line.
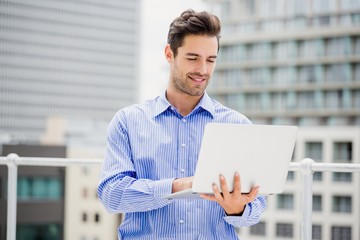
(191, 69)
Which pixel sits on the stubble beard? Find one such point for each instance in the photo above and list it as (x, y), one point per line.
(184, 86)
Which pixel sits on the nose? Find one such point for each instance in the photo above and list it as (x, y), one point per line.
(202, 67)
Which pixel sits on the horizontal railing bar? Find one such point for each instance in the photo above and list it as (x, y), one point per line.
(335, 167)
(55, 162)
(327, 167)
(294, 166)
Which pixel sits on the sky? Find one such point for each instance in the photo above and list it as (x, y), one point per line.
(156, 17)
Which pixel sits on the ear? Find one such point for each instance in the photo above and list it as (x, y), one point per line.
(168, 53)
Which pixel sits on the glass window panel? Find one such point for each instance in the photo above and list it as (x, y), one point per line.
(356, 99)
(342, 204)
(314, 150)
(24, 188)
(285, 201)
(284, 230)
(333, 99)
(225, 9)
(321, 6)
(296, 23)
(343, 152)
(357, 45)
(296, 7)
(349, 4)
(342, 177)
(340, 233)
(306, 100)
(290, 176)
(49, 231)
(253, 101)
(355, 18)
(323, 21)
(279, 100)
(39, 188)
(273, 25)
(317, 203)
(316, 232)
(258, 229)
(247, 7)
(54, 188)
(345, 20)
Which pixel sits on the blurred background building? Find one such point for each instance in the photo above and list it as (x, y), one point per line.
(65, 68)
(66, 59)
(297, 62)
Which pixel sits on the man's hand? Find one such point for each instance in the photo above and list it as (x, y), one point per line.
(180, 184)
(233, 203)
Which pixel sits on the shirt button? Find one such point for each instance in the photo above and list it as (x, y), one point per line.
(184, 120)
(181, 221)
(182, 170)
(183, 145)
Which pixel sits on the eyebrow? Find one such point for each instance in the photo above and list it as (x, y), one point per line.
(197, 55)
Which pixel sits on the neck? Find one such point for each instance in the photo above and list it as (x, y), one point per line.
(183, 102)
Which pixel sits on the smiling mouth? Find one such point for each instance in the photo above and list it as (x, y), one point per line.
(197, 79)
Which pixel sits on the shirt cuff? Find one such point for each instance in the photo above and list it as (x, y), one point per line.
(162, 188)
(237, 220)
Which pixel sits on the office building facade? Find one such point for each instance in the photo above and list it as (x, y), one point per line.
(65, 59)
(290, 62)
(40, 193)
(73, 64)
(297, 62)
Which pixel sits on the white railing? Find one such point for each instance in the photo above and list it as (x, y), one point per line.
(307, 167)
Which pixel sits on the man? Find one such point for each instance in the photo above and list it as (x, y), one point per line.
(153, 148)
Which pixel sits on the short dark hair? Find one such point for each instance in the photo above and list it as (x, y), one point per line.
(192, 23)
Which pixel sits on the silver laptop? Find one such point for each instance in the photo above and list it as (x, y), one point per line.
(260, 153)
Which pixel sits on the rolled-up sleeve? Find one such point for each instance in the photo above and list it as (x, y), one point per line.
(251, 214)
(119, 189)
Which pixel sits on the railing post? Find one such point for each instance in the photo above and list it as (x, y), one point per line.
(12, 196)
(306, 201)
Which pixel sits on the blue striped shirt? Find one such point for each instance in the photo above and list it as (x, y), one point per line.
(151, 144)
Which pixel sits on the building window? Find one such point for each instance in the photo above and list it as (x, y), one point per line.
(39, 188)
(340, 233)
(314, 151)
(84, 217)
(342, 154)
(258, 229)
(316, 232)
(285, 201)
(342, 177)
(317, 203)
(342, 204)
(290, 176)
(97, 218)
(284, 230)
(39, 231)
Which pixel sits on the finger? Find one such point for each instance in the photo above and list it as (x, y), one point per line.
(224, 187)
(237, 184)
(208, 197)
(253, 193)
(217, 193)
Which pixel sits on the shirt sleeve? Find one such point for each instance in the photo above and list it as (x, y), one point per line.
(251, 214)
(119, 189)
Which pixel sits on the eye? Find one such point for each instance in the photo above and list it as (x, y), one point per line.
(211, 60)
(192, 59)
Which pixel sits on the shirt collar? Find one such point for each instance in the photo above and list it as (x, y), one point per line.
(163, 104)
